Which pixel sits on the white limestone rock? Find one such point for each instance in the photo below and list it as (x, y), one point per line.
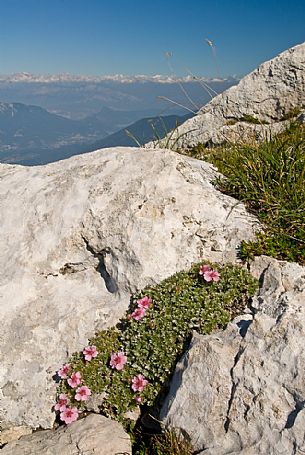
(92, 435)
(77, 238)
(13, 433)
(242, 391)
(270, 94)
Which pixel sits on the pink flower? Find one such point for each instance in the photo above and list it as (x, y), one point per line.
(62, 402)
(69, 415)
(90, 352)
(138, 383)
(138, 399)
(63, 372)
(118, 360)
(204, 268)
(211, 275)
(138, 314)
(145, 302)
(74, 381)
(82, 393)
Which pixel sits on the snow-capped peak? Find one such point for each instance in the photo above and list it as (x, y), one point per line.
(66, 77)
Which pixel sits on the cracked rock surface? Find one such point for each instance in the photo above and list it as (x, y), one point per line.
(93, 435)
(242, 390)
(77, 238)
(254, 109)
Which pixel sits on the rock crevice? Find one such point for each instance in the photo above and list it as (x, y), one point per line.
(110, 283)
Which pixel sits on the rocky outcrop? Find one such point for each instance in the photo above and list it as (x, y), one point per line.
(255, 109)
(93, 435)
(242, 391)
(78, 237)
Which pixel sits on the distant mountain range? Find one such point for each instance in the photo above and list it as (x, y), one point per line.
(66, 77)
(56, 116)
(77, 97)
(25, 126)
(30, 135)
(142, 131)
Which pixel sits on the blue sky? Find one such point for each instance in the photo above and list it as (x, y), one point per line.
(99, 37)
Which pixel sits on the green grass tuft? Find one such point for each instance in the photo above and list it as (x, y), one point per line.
(293, 113)
(250, 119)
(270, 179)
(167, 443)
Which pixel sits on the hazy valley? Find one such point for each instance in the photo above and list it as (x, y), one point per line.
(47, 118)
